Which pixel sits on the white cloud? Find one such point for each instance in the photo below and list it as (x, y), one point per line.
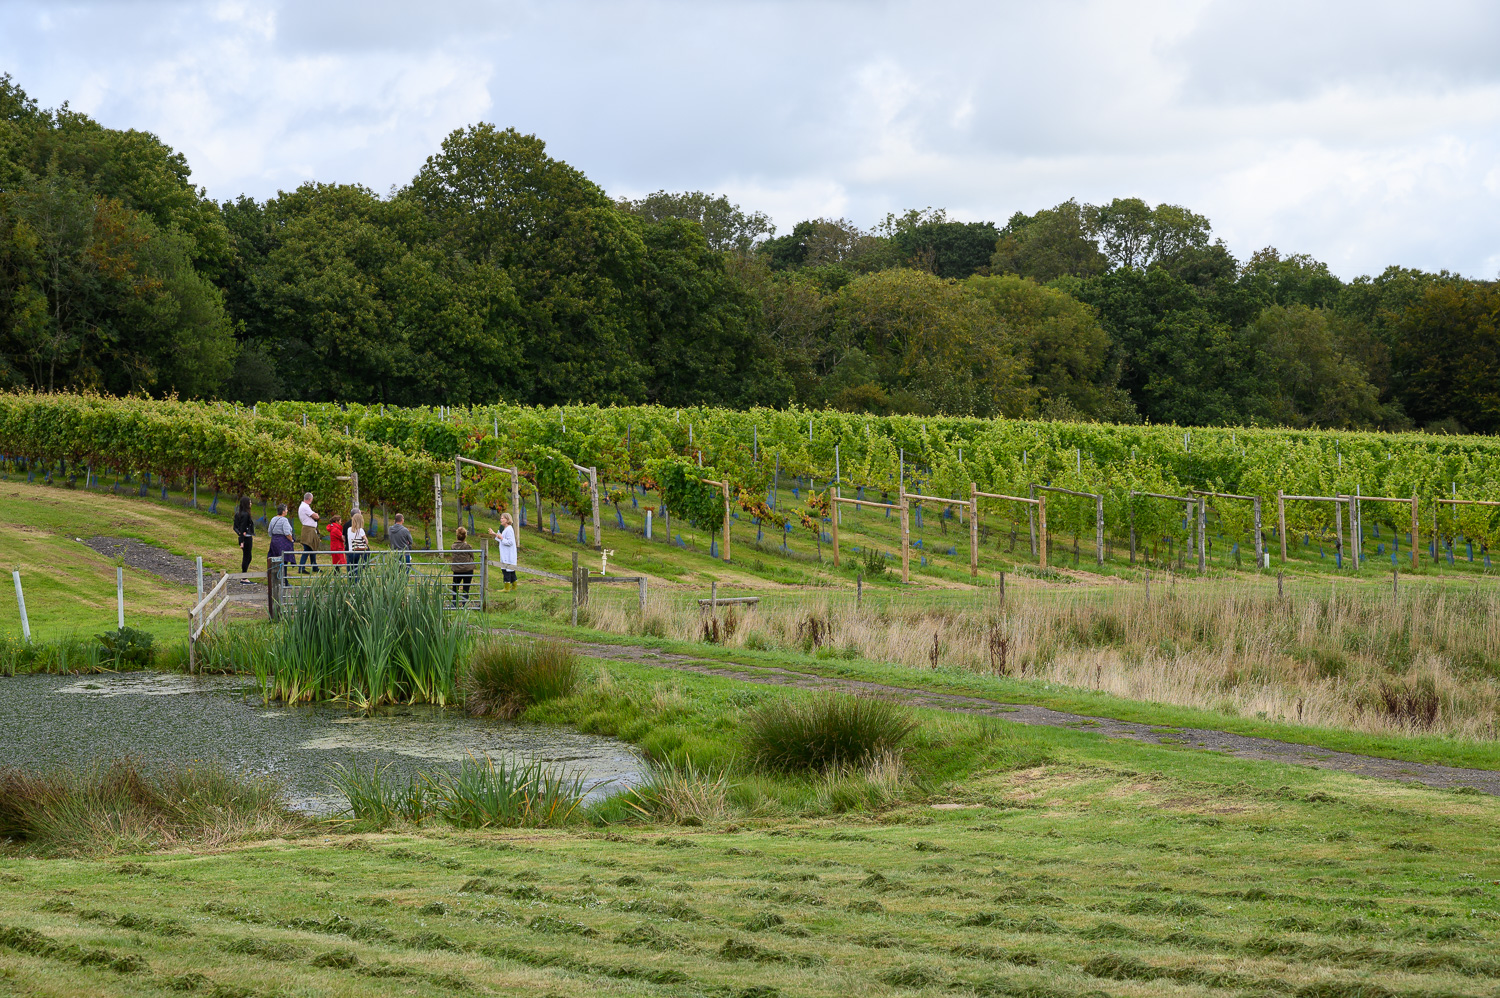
(1360, 133)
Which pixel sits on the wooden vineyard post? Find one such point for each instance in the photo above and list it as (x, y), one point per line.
(1259, 541)
(1416, 533)
(1338, 528)
(1202, 534)
(1281, 522)
(515, 498)
(1132, 530)
(1031, 525)
(905, 539)
(1041, 521)
(1099, 528)
(727, 518)
(437, 502)
(594, 498)
(835, 518)
(973, 530)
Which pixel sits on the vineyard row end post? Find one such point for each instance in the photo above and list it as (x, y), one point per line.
(835, 518)
(727, 518)
(1041, 519)
(594, 500)
(1202, 534)
(1281, 522)
(973, 530)
(1099, 528)
(1416, 533)
(1260, 561)
(437, 503)
(905, 538)
(1031, 523)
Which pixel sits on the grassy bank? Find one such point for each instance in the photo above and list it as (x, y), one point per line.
(1115, 868)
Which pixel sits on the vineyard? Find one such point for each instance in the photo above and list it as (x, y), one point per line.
(1152, 495)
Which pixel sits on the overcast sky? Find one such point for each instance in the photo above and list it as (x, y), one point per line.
(1363, 133)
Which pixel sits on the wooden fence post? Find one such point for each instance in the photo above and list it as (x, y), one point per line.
(1041, 519)
(973, 530)
(1259, 541)
(1281, 522)
(1099, 527)
(835, 507)
(1031, 525)
(727, 517)
(1202, 534)
(594, 498)
(1416, 533)
(1130, 499)
(905, 539)
(1338, 528)
(575, 588)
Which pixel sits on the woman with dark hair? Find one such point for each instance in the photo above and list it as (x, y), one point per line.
(244, 529)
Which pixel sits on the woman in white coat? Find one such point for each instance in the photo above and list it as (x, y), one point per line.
(507, 539)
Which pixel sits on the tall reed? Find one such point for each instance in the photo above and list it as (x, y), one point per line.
(380, 637)
(1351, 657)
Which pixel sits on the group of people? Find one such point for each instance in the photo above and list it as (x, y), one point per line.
(349, 545)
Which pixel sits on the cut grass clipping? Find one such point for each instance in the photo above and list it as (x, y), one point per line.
(118, 805)
(505, 677)
(482, 794)
(825, 732)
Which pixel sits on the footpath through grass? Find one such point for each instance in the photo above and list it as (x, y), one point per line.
(1114, 869)
(1412, 748)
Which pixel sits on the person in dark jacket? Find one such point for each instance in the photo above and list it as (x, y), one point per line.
(463, 566)
(244, 529)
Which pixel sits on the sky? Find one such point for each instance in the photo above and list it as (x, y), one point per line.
(1364, 134)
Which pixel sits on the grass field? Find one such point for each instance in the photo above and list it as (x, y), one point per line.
(991, 859)
(1109, 868)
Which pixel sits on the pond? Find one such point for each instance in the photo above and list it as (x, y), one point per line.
(164, 718)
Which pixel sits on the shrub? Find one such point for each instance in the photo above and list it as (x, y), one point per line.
(504, 678)
(873, 563)
(827, 731)
(127, 648)
(118, 804)
(684, 795)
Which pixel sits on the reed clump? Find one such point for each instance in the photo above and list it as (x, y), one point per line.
(504, 677)
(119, 805)
(379, 637)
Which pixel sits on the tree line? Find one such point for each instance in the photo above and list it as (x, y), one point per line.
(499, 273)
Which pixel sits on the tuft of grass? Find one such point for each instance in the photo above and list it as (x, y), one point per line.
(825, 732)
(481, 794)
(682, 795)
(120, 806)
(503, 678)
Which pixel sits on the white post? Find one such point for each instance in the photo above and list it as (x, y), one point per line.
(437, 501)
(648, 524)
(594, 500)
(120, 595)
(21, 601)
(200, 578)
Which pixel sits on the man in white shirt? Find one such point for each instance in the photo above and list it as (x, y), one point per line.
(309, 521)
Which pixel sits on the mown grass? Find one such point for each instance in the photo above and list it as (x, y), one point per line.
(1117, 868)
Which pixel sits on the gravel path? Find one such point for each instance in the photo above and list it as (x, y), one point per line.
(1240, 746)
(173, 567)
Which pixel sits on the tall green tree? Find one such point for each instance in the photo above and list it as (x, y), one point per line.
(575, 262)
(1447, 355)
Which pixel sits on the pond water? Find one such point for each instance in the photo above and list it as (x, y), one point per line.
(162, 718)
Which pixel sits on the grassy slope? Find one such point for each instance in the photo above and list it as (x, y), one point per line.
(1179, 872)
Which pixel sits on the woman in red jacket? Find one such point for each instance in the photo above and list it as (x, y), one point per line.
(336, 545)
